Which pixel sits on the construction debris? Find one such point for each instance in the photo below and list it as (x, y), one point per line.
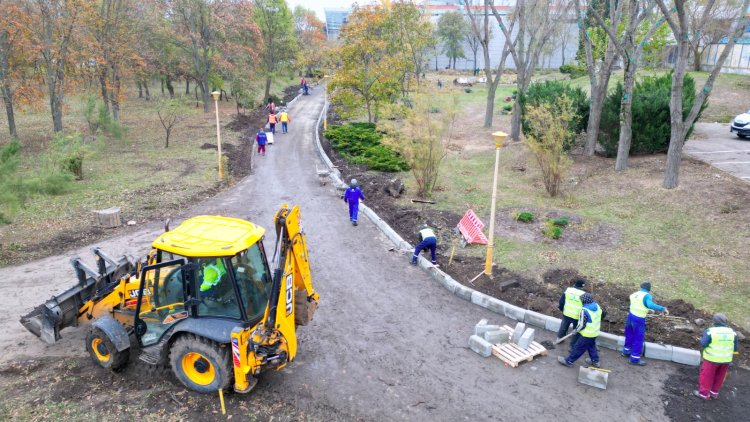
(595, 377)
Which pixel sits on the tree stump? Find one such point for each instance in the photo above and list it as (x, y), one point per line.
(109, 217)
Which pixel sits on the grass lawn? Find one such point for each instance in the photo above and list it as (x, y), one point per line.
(136, 173)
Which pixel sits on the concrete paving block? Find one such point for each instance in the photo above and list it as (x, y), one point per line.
(610, 341)
(552, 324)
(496, 305)
(658, 351)
(481, 329)
(514, 312)
(592, 377)
(518, 332)
(497, 336)
(526, 338)
(535, 318)
(480, 346)
(463, 292)
(686, 356)
(444, 280)
(482, 321)
(479, 298)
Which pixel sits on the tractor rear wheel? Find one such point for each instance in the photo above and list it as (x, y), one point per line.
(201, 364)
(103, 351)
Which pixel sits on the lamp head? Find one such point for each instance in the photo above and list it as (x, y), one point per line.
(499, 137)
(216, 94)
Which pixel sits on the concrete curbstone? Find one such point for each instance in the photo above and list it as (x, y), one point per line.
(479, 330)
(658, 351)
(480, 346)
(686, 356)
(463, 292)
(515, 312)
(610, 341)
(497, 336)
(443, 279)
(535, 318)
(518, 332)
(496, 305)
(552, 324)
(528, 336)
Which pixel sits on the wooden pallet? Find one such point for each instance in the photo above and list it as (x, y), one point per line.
(513, 355)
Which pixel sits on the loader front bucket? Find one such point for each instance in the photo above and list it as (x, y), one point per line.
(61, 311)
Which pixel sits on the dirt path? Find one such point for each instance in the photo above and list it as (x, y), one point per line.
(387, 342)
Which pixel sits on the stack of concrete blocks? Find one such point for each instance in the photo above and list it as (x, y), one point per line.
(485, 336)
(523, 336)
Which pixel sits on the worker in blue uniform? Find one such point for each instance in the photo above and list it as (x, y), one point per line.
(589, 327)
(352, 195)
(635, 325)
(427, 240)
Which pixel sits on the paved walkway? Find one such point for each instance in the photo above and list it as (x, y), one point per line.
(714, 145)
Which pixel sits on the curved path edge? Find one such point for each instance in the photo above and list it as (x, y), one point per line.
(666, 352)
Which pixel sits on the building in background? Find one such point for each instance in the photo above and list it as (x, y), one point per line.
(335, 19)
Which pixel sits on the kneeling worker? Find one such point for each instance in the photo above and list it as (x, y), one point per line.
(427, 240)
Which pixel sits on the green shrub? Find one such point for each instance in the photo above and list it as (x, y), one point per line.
(547, 93)
(525, 216)
(508, 107)
(552, 231)
(360, 143)
(573, 70)
(69, 151)
(467, 90)
(651, 122)
(559, 221)
(97, 117)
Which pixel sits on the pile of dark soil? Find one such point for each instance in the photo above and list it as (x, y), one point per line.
(732, 404)
(683, 328)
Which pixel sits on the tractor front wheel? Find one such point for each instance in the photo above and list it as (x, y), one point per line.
(201, 364)
(103, 351)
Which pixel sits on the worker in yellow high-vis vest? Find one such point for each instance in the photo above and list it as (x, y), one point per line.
(635, 325)
(589, 327)
(719, 344)
(570, 305)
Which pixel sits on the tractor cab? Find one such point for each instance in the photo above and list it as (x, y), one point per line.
(210, 270)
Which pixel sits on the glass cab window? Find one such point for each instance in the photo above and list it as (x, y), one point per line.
(163, 301)
(253, 279)
(215, 291)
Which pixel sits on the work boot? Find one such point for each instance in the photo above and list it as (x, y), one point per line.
(698, 394)
(594, 364)
(638, 363)
(354, 223)
(413, 262)
(564, 361)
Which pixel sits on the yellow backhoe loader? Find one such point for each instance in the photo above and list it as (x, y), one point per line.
(203, 300)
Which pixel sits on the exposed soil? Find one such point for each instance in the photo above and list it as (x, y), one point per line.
(679, 329)
(732, 404)
(74, 388)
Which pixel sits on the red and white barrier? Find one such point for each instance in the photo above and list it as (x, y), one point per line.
(471, 228)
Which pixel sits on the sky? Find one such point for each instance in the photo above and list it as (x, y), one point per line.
(319, 5)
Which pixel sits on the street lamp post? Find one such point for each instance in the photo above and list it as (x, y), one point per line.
(216, 94)
(499, 138)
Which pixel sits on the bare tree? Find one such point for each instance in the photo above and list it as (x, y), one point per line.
(481, 30)
(56, 34)
(630, 48)
(536, 21)
(599, 71)
(686, 37)
(473, 41)
(715, 28)
(197, 21)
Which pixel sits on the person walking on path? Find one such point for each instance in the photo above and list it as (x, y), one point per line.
(570, 305)
(285, 120)
(352, 195)
(272, 123)
(427, 240)
(271, 107)
(635, 325)
(261, 139)
(589, 326)
(719, 344)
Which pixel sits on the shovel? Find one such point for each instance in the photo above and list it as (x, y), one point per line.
(562, 339)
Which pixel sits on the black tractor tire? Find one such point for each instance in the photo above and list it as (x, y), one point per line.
(201, 364)
(103, 351)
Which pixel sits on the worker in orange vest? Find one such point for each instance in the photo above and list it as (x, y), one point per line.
(272, 123)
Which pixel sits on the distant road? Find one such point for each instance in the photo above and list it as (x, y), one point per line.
(712, 143)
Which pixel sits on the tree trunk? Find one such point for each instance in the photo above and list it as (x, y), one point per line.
(162, 85)
(267, 92)
(203, 85)
(697, 58)
(369, 111)
(595, 116)
(187, 85)
(103, 87)
(140, 88)
(490, 105)
(170, 87)
(626, 118)
(676, 137)
(8, 100)
(115, 98)
(145, 86)
(515, 121)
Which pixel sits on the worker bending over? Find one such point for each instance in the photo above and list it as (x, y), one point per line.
(718, 343)
(589, 326)
(635, 325)
(570, 305)
(427, 240)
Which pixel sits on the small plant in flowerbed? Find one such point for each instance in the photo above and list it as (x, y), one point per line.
(524, 216)
(553, 227)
